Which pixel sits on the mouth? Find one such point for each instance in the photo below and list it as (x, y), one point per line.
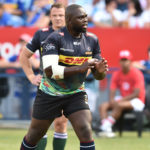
(84, 25)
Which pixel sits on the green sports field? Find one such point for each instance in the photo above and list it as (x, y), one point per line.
(10, 139)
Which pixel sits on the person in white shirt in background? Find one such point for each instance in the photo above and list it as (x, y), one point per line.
(107, 17)
(91, 7)
(146, 15)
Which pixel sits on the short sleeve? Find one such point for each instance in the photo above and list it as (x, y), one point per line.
(51, 45)
(34, 44)
(96, 51)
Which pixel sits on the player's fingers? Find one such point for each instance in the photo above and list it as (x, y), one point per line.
(106, 67)
(103, 59)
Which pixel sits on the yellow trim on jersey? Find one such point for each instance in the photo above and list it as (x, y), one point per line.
(72, 60)
(41, 49)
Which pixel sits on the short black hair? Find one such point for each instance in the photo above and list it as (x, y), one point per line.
(70, 10)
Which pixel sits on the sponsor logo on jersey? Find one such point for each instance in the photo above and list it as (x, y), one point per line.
(88, 48)
(71, 60)
(45, 29)
(67, 50)
(49, 47)
(76, 43)
(42, 42)
(88, 53)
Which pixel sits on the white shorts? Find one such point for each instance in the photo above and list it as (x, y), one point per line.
(136, 103)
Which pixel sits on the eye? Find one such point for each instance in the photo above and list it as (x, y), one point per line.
(80, 17)
(61, 15)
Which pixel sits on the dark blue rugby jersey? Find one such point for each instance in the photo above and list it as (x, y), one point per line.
(37, 41)
(72, 51)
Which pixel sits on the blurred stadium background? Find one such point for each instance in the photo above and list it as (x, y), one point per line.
(16, 101)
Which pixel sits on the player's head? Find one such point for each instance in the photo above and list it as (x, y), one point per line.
(125, 58)
(57, 15)
(76, 18)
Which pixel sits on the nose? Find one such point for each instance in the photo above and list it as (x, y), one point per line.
(85, 19)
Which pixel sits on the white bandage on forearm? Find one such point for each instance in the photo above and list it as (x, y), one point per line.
(50, 60)
(58, 72)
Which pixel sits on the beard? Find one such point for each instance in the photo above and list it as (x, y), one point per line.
(79, 29)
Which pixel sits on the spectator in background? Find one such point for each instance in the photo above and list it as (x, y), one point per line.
(130, 83)
(91, 7)
(144, 66)
(146, 15)
(122, 5)
(16, 9)
(143, 4)
(133, 17)
(106, 17)
(28, 5)
(6, 19)
(39, 9)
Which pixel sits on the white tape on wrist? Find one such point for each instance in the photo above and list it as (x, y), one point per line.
(58, 72)
(50, 60)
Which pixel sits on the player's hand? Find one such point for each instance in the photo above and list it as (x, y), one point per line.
(36, 80)
(87, 65)
(101, 66)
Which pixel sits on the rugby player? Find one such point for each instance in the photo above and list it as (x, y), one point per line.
(67, 54)
(57, 17)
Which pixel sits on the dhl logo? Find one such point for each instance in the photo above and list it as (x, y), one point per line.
(71, 60)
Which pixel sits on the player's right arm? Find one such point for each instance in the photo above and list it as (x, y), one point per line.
(24, 59)
(50, 60)
(54, 71)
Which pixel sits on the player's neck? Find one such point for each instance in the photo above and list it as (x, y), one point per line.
(56, 28)
(74, 33)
